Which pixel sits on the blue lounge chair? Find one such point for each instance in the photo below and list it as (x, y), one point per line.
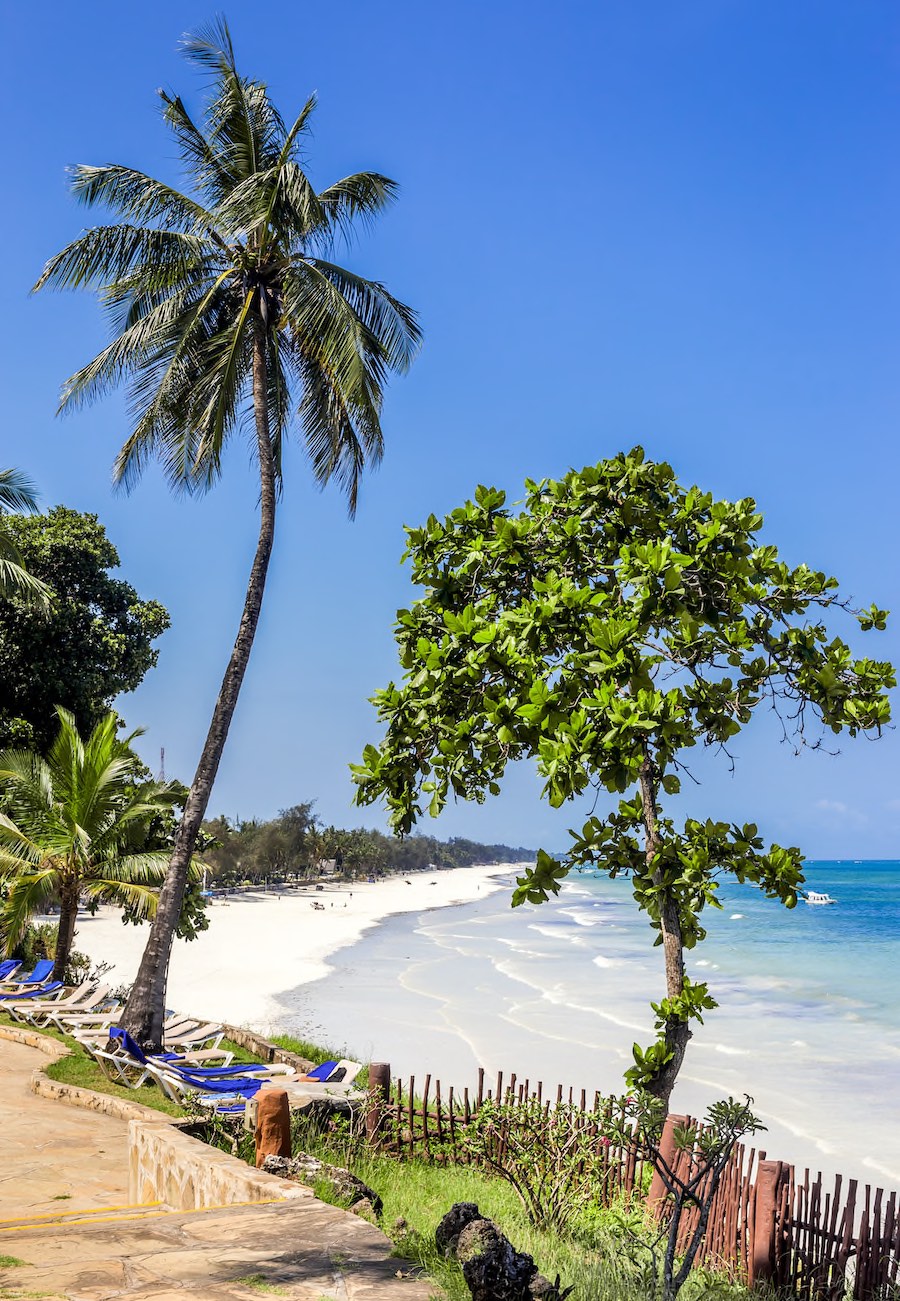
(41, 971)
(8, 967)
(179, 1065)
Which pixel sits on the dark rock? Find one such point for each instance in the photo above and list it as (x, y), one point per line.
(492, 1268)
(308, 1170)
(365, 1210)
(451, 1226)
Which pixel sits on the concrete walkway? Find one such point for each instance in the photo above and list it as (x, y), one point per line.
(53, 1157)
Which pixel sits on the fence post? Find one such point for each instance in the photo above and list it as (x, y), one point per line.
(272, 1136)
(763, 1248)
(658, 1190)
(379, 1092)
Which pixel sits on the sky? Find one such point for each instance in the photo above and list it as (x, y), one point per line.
(674, 225)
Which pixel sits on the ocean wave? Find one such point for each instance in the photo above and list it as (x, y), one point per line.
(582, 917)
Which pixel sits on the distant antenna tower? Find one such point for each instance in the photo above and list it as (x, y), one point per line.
(162, 764)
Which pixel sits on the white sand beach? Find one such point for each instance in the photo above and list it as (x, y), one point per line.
(262, 943)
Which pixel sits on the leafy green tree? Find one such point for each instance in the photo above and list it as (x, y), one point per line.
(95, 642)
(224, 301)
(610, 625)
(17, 494)
(72, 826)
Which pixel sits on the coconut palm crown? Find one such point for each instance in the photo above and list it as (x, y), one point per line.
(71, 828)
(225, 303)
(200, 285)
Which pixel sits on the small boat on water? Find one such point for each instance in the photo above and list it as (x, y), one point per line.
(814, 897)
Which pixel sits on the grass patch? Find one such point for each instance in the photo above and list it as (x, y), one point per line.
(593, 1256)
(259, 1283)
(10, 1262)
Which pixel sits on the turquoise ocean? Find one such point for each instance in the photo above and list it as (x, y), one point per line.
(808, 1022)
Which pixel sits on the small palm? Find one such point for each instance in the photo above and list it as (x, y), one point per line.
(72, 828)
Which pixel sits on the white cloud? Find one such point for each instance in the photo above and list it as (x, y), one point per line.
(838, 809)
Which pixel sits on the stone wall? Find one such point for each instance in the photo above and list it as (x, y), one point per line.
(266, 1051)
(168, 1166)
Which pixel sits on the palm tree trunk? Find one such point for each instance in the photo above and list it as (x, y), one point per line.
(65, 934)
(144, 1011)
(677, 1033)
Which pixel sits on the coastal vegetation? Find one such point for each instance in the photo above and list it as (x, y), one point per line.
(296, 845)
(603, 630)
(224, 302)
(94, 642)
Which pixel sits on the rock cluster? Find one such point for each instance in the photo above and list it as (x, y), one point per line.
(492, 1268)
(347, 1187)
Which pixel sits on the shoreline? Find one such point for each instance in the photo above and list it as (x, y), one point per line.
(382, 973)
(261, 945)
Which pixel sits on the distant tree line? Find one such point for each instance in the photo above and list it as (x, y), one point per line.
(296, 845)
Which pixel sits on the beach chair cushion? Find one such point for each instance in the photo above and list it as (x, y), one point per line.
(30, 992)
(323, 1072)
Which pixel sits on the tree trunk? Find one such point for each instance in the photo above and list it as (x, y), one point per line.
(677, 1032)
(65, 934)
(144, 1011)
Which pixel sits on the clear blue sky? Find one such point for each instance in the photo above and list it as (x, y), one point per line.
(669, 223)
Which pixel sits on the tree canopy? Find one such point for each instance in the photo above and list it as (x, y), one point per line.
(612, 623)
(296, 844)
(95, 642)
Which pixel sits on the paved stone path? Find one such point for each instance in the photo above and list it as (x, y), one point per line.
(54, 1157)
(57, 1161)
(232, 1253)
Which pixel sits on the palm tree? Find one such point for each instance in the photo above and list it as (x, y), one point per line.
(17, 493)
(73, 826)
(225, 303)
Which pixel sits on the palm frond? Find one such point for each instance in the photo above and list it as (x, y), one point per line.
(27, 895)
(136, 195)
(391, 322)
(17, 492)
(106, 253)
(209, 171)
(357, 200)
(15, 579)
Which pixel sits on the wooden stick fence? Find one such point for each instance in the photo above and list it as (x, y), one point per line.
(814, 1242)
(430, 1124)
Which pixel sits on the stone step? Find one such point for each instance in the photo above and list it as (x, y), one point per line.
(94, 1215)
